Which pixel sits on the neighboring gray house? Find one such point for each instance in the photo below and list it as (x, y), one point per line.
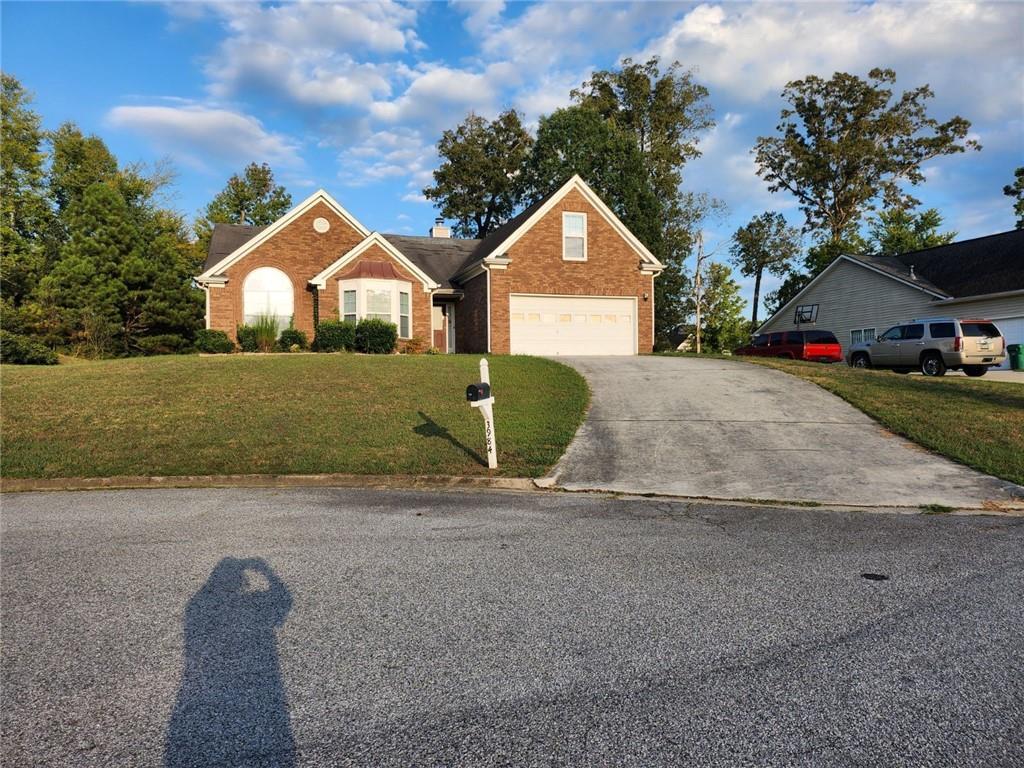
(859, 297)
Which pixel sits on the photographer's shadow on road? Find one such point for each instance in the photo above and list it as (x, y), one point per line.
(232, 708)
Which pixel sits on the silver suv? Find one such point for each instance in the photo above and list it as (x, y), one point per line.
(933, 345)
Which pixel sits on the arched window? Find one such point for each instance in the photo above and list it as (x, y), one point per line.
(268, 291)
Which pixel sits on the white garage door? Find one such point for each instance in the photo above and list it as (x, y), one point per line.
(572, 325)
(1013, 331)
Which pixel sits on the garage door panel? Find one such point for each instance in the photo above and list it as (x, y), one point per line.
(572, 325)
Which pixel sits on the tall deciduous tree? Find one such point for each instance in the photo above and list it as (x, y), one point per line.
(722, 326)
(24, 209)
(665, 111)
(253, 198)
(1016, 191)
(846, 143)
(900, 230)
(765, 243)
(77, 162)
(479, 184)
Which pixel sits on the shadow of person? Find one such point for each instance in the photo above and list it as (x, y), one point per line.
(232, 708)
(430, 428)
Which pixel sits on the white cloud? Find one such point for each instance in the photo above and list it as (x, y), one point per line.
(306, 53)
(970, 52)
(201, 134)
(412, 197)
(482, 16)
(389, 154)
(440, 96)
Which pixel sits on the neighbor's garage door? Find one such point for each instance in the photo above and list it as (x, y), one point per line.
(572, 325)
(1013, 331)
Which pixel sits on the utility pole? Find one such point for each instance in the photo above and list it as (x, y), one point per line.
(697, 282)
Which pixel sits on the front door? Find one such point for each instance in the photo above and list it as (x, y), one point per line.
(440, 336)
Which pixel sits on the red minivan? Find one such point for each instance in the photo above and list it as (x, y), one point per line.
(813, 346)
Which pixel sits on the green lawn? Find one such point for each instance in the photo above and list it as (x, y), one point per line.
(978, 423)
(283, 414)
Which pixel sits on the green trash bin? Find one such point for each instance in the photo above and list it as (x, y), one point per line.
(1016, 353)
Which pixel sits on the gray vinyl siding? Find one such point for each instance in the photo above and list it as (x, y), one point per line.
(988, 309)
(851, 297)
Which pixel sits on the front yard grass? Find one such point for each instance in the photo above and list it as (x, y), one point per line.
(978, 423)
(284, 414)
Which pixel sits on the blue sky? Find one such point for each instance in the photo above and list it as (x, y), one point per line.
(353, 97)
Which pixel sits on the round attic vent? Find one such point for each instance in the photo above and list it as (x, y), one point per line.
(321, 225)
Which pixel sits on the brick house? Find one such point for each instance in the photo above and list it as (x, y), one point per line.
(565, 276)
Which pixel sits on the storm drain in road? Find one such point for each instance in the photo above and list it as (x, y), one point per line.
(874, 576)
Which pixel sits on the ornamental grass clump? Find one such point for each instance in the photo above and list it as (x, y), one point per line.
(266, 328)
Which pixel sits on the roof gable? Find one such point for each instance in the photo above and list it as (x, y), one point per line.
(374, 239)
(264, 234)
(917, 285)
(503, 238)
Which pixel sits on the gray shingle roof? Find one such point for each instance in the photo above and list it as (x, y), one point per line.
(226, 238)
(990, 264)
(439, 257)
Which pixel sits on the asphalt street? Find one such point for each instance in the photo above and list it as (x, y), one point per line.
(329, 627)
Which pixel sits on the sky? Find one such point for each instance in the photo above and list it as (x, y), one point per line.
(353, 97)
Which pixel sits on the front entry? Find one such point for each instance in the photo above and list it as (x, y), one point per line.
(443, 324)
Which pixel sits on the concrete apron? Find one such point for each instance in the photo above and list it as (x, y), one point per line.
(720, 429)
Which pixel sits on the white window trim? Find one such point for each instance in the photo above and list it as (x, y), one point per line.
(565, 215)
(864, 337)
(360, 285)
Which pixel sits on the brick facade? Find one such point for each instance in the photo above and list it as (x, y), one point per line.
(612, 268)
(536, 266)
(330, 299)
(300, 252)
(471, 317)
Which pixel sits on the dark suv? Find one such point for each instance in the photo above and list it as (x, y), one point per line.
(813, 346)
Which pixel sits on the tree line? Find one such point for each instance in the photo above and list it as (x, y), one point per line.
(94, 261)
(847, 149)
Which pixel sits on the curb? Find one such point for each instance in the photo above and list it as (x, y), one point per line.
(124, 482)
(542, 485)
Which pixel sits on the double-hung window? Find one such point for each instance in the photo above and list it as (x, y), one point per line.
(387, 300)
(862, 334)
(348, 306)
(574, 236)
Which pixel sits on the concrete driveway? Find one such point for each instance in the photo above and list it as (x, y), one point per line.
(732, 430)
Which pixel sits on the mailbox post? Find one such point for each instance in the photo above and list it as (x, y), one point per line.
(479, 396)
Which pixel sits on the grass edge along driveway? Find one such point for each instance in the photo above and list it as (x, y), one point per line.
(975, 422)
(284, 414)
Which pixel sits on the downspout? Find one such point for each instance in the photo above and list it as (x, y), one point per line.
(316, 310)
(206, 290)
(488, 273)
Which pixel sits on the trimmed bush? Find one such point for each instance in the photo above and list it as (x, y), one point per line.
(376, 337)
(163, 344)
(214, 342)
(417, 345)
(335, 336)
(247, 338)
(22, 350)
(292, 340)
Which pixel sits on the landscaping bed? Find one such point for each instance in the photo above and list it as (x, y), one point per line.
(284, 414)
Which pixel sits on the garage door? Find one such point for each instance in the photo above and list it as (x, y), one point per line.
(572, 325)
(1013, 331)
